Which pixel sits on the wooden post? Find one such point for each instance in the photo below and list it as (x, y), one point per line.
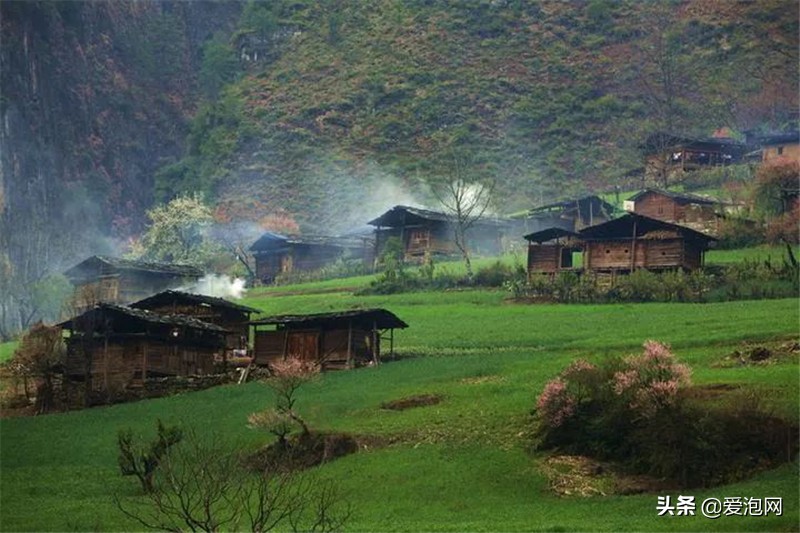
(350, 344)
(105, 359)
(633, 247)
(285, 341)
(375, 354)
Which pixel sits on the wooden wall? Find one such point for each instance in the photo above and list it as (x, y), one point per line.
(649, 253)
(118, 364)
(329, 347)
(789, 150)
(543, 257)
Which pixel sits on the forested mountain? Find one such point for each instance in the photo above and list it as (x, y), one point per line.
(322, 113)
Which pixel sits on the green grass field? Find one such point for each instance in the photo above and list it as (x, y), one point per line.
(461, 465)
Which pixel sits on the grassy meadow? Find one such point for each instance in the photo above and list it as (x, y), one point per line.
(461, 465)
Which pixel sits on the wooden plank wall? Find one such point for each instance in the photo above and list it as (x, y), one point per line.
(650, 253)
(543, 258)
(268, 346)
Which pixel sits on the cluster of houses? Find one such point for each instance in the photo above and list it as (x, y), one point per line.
(135, 322)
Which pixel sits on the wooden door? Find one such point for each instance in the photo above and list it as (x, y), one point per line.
(303, 345)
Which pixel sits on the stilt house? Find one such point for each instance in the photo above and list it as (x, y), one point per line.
(113, 348)
(669, 155)
(102, 279)
(423, 232)
(278, 254)
(570, 215)
(337, 340)
(233, 317)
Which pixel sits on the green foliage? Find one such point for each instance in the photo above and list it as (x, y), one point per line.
(639, 411)
(219, 66)
(141, 460)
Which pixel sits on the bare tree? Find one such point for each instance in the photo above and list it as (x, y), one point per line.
(203, 487)
(465, 202)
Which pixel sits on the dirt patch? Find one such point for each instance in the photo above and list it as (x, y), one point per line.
(479, 380)
(412, 401)
(584, 477)
(305, 451)
(759, 354)
(711, 391)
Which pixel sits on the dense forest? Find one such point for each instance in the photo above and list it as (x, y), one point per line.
(317, 114)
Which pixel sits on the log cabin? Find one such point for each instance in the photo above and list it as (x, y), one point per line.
(102, 279)
(621, 246)
(425, 233)
(278, 254)
(113, 348)
(231, 316)
(696, 212)
(636, 241)
(337, 340)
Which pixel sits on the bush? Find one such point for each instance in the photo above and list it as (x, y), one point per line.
(497, 274)
(638, 410)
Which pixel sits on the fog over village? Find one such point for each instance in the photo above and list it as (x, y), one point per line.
(407, 265)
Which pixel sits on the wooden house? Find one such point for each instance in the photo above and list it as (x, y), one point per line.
(621, 245)
(121, 281)
(685, 209)
(552, 250)
(112, 348)
(278, 254)
(233, 317)
(669, 155)
(334, 340)
(570, 215)
(780, 145)
(636, 241)
(423, 232)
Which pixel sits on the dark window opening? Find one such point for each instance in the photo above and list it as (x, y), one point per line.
(780, 150)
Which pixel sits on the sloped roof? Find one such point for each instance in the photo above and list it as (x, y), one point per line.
(170, 296)
(684, 198)
(780, 138)
(270, 241)
(146, 316)
(549, 234)
(401, 215)
(581, 203)
(118, 263)
(382, 318)
(622, 228)
(661, 140)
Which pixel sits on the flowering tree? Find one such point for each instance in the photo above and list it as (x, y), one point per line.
(288, 376)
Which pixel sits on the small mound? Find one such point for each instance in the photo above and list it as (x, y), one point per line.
(304, 451)
(410, 402)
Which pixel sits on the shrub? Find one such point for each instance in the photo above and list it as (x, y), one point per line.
(637, 410)
(498, 273)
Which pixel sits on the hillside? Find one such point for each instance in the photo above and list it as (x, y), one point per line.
(462, 465)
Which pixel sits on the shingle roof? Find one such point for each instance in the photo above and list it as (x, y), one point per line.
(271, 240)
(172, 295)
(148, 316)
(382, 318)
(549, 234)
(130, 264)
(399, 215)
(622, 228)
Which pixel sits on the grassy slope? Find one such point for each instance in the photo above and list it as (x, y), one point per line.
(7, 350)
(464, 465)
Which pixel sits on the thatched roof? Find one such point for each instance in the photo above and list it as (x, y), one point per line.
(171, 296)
(364, 318)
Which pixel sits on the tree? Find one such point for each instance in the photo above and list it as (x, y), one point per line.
(203, 487)
(288, 376)
(219, 66)
(40, 356)
(178, 232)
(465, 202)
